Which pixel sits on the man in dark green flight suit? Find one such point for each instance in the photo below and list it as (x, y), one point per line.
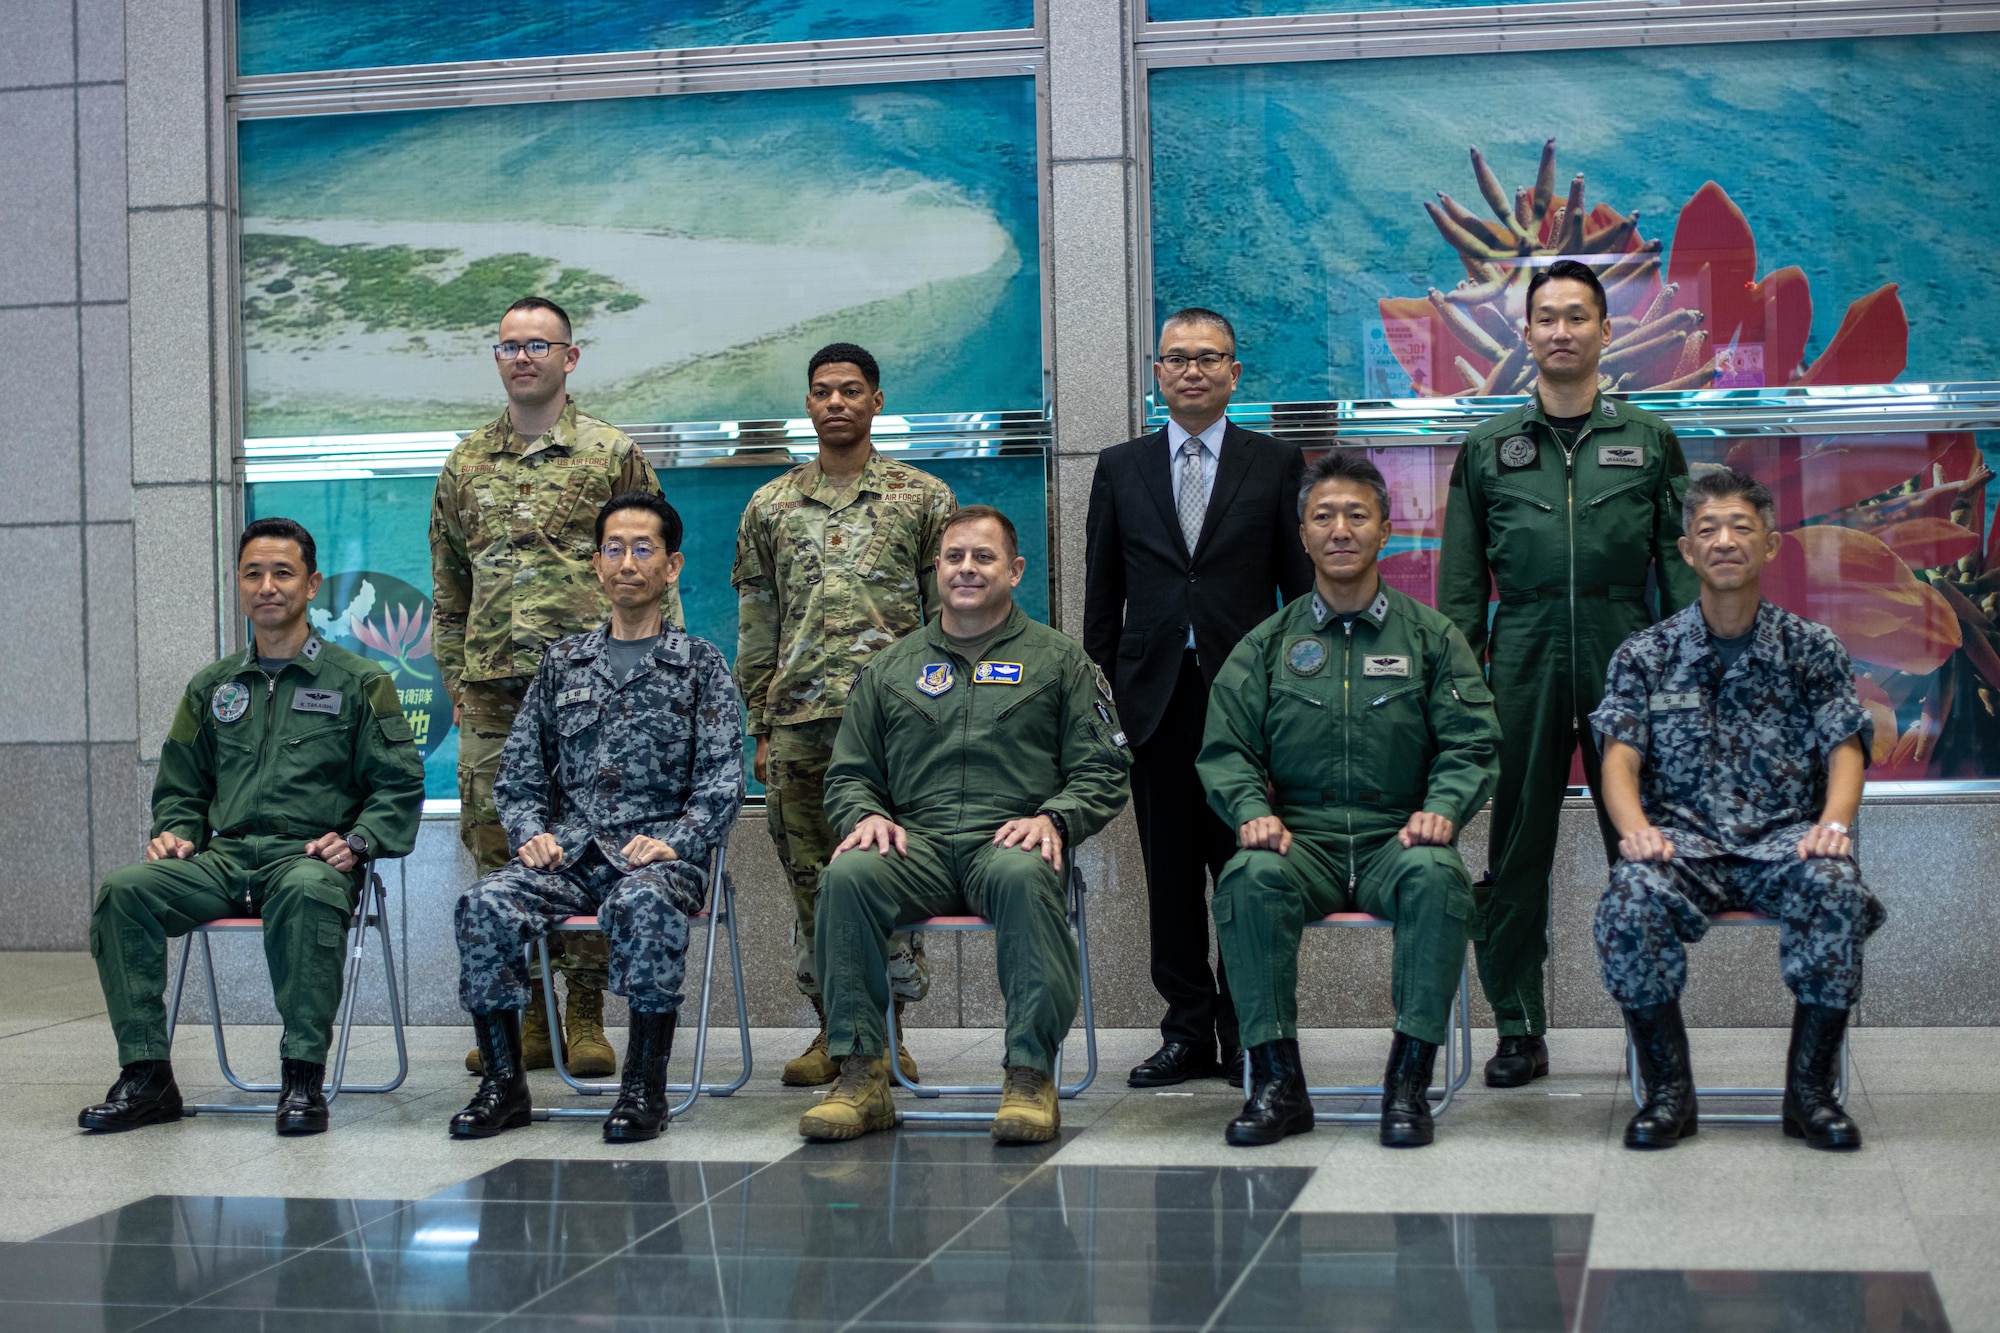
(1569, 504)
(287, 766)
(1349, 738)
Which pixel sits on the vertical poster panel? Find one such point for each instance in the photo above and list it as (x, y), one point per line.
(1785, 213)
(704, 245)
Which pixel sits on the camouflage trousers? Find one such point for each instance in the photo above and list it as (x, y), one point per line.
(1654, 910)
(644, 915)
(489, 707)
(795, 810)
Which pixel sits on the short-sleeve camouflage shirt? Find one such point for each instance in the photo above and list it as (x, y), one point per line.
(826, 577)
(1734, 762)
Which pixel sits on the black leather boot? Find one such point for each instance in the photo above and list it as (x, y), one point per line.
(1670, 1113)
(1518, 1062)
(642, 1097)
(301, 1098)
(501, 1103)
(1278, 1105)
(1406, 1111)
(145, 1094)
(1811, 1070)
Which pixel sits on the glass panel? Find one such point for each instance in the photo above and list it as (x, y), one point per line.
(1171, 11)
(1753, 227)
(372, 534)
(705, 245)
(285, 36)
(1890, 541)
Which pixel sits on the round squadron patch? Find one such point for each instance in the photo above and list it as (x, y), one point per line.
(230, 701)
(1517, 451)
(1305, 656)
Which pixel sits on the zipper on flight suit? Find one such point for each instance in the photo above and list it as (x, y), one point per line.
(263, 755)
(1347, 746)
(1569, 503)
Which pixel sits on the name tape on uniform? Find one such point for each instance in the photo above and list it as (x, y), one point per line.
(997, 673)
(1673, 703)
(316, 701)
(1376, 664)
(581, 695)
(1620, 455)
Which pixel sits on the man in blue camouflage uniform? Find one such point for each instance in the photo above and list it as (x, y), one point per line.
(1734, 752)
(623, 772)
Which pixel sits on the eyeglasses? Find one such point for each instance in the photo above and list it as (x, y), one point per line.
(1208, 361)
(536, 349)
(643, 552)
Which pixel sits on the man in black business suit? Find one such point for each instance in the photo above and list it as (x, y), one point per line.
(1192, 540)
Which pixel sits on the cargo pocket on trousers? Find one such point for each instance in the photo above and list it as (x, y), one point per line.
(1458, 900)
(1223, 908)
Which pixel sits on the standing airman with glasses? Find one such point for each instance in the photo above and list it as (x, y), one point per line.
(512, 535)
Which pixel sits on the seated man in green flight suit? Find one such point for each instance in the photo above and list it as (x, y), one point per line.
(287, 766)
(1349, 738)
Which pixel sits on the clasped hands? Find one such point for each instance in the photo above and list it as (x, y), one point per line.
(543, 852)
(1037, 833)
(331, 848)
(1268, 833)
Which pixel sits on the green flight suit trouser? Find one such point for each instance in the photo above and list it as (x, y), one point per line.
(1264, 900)
(305, 904)
(865, 894)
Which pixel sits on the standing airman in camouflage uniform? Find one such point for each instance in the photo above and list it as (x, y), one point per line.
(1734, 752)
(623, 772)
(833, 564)
(510, 563)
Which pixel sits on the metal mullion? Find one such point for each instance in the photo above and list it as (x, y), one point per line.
(1142, 219)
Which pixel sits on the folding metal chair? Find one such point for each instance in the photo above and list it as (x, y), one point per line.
(720, 915)
(371, 910)
(1702, 1094)
(1457, 1045)
(971, 924)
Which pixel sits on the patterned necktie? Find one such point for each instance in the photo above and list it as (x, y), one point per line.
(1193, 502)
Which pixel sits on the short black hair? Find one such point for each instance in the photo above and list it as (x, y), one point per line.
(1726, 483)
(974, 513)
(284, 530)
(836, 353)
(543, 303)
(1195, 314)
(1575, 272)
(1344, 465)
(670, 518)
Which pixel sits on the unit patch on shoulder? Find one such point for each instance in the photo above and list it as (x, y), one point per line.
(1305, 656)
(1382, 664)
(1673, 703)
(1620, 455)
(1103, 682)
(997, 673)
(935, 678)
(230, 701)
(316, 701)
(1517, 451)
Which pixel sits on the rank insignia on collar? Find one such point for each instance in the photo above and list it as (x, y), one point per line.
(1380, 606)
(311, 651)
(935, 678)
(997, 673)
(1609, 407)
(1305, 656)
(230, 701)
(1517, 451)
(1381, 664)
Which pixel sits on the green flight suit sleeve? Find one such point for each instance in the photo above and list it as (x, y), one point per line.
(1679, 586)
(387, 768)
(857, 777)
(1234, 762)
(635, 473)
(1095, 761)
(184, 787)
(451, 583)
(1466, 727)
(1464, 581)
(755, 578)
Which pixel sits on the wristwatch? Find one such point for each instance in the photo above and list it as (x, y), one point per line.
(1062, 829)
(358, 844)
(1835, 825)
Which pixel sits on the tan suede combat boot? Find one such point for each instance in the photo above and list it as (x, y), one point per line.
(586, 1052)
(904, 1060)
(535, 1050)
(1028, 1108)
(859, 1103)
(815, 1066)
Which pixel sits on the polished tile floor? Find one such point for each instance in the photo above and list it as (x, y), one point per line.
(1525, 1215)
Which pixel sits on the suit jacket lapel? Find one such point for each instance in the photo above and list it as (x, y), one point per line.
(1155, 469)
(1229, 472)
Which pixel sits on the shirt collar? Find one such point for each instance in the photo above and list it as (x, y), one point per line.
(1375, 613)
(1211, 438)
(307, 659)
(507, 440)
(1604, 411)
(1694, 642)
(934, 634)
(813, 483)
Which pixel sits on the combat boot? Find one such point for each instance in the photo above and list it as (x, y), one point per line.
(1669, 1114)
(536, 1052)
(815, 1066)
(586, 1054)
(642, 1099)
(1029, 1112)
(1406, 1111)
(301, 1098)
(501, 1103)
(1278, 1105)
(859, 1103)
(145, 1094)
(1810, 1112)
(1518, 1062)
(904, 1060)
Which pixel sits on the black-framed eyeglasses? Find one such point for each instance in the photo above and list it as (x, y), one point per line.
(1208, 361)
(536, 348)
(643, 552)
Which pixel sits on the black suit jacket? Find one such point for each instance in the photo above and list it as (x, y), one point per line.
(1142, 586)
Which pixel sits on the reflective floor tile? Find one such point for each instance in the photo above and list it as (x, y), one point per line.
(813, 1228)
(602, 1182)
(1666, 1301)
(819, 1292)
(934, 1144)
(219, 1221)
(444, 1227)
(125, 1274)
(194, 1319)
(447, 1280)
(972, 1289)
(25, 1317)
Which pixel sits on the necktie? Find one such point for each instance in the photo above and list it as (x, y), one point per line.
(1193, 500)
